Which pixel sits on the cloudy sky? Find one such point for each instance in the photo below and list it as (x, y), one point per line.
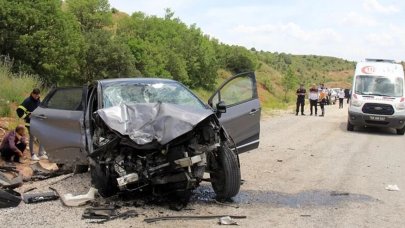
(350, 29)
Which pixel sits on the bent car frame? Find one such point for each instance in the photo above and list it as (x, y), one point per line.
(142, 134)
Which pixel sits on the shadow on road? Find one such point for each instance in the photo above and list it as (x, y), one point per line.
(310, 198)
(370, 130)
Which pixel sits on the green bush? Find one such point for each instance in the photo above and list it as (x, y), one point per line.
(13, 87)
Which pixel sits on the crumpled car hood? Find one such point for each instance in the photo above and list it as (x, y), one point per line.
(144, 123)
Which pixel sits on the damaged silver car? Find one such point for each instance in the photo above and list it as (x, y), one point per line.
(141, 134)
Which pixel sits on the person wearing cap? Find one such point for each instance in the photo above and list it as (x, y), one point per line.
(13, 145)
(313, 99)
(322, 98)
(24, 111)
(300, 99)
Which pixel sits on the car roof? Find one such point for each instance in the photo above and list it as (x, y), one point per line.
(140, 80)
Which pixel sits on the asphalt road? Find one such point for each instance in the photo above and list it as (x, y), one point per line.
(308, 172)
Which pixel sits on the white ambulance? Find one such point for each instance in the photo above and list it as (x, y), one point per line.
(378, 97)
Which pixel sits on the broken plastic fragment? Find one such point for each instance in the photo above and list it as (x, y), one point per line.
(227, 220)
(393, 187)
(9, 198)
(79, 200)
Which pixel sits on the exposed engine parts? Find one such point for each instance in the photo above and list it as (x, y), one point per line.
(175, 167)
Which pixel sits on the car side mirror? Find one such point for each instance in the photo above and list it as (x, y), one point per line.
(221, 107)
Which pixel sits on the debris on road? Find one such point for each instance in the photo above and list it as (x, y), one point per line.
(339, 193)
(203, 217)
(279, 160)
(8, 168)
(30, 189)
(227, 221)
(392, 188)
(99, 213)
(79, 200)
(9, 198)
(105, 214)
(14, 182)
(226, 204)
(66, 176)
(39, 197)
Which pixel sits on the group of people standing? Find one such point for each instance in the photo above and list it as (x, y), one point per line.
(316, 95)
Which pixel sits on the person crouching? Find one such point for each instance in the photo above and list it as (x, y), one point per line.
(13, 145)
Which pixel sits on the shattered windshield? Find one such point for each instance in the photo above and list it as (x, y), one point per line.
(379, 86)
(116, 94)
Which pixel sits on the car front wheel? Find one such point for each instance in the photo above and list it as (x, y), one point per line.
(401, 131)
(350, 127)
(226, 178)
(102, 180)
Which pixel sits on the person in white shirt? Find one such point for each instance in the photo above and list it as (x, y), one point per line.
(313, 99)
(341, 98)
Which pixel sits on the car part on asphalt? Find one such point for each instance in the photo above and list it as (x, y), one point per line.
(39, 197)
(226, 220)
(197, 217)
(11, 183)
(8, 168)
(105, 214)
(99, 213)
(9, 198)
(392, 187)
(79, 200)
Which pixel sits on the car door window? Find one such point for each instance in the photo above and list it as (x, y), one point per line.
(236, 91)
(65, 99)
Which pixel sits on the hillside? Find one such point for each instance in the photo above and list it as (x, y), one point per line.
(333, 72)
(81, 41)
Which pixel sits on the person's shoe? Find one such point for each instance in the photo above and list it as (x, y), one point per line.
(296, 114)
(302, 114)
(34, 158)
(43, 157)
(310, 114)
(316, 114)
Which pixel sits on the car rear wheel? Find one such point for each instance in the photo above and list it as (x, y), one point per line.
(401, 131)
(350, 127)
(226, 178)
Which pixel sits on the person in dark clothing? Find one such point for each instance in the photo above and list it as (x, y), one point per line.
(313, 99)
(24, 111)
(322, 99)
(301, 99)
(13, 144)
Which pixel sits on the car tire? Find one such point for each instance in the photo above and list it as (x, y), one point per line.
(226, 179)
(102, 181)
(401, 131)
(81, 169)
(350, 127)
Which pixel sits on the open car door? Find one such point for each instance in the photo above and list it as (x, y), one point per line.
(242, 117)
(58, 125)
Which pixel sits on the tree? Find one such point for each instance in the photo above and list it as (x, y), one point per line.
(91, 14)
(40, 38)
(105, 57)
(239, 59)
(289, 81)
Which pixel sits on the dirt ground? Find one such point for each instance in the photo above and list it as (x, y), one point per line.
(308, 172)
